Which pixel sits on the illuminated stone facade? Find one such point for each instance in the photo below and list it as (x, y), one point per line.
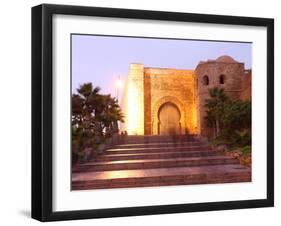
(164, 101)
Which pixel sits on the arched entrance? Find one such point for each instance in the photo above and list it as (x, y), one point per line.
(169, 119)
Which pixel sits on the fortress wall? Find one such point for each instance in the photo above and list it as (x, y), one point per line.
(147, 103)
(170, 85)
(133, 101)
(147, 89)
(246, 92)
(233, 78)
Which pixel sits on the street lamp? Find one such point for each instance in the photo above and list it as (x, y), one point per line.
(119, 85)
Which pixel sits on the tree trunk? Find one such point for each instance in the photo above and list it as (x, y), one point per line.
(217, 128)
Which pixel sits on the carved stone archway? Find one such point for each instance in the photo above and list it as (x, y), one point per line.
(169, 119)
(158, 104)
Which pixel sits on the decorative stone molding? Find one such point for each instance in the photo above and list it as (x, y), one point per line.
(157, 106)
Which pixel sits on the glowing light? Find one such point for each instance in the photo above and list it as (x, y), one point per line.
(133, 110)
(133, 103)
(119, 83)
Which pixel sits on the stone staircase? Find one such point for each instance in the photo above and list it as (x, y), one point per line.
(156, 161)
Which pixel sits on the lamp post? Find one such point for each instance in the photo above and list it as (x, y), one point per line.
(119, 85)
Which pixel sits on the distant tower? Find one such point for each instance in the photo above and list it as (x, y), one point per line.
(224, 72)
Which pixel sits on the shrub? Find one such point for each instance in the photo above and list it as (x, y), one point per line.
(246, 150)
(241, 138)
(220, 141)
(230, 119)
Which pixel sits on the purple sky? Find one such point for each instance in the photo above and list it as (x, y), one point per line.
(101, 59)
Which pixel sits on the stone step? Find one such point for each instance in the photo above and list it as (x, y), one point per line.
(159, 177)
(154, 163)
(156, 149)
(163, 144)
(157, 155)
(135, 139)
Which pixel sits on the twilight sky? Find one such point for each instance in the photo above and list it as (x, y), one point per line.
(101, 59)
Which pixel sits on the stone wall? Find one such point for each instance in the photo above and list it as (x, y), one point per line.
(147, 89)
(246, 92)
(222, 73)
(133, 101)
(169, 85)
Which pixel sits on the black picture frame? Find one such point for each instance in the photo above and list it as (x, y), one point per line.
(42, 111)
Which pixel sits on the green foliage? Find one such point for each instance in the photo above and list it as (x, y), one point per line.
(215, 107)
(246, 150)
(220, 141)
(230, 119)
(94, 118)
(241, 138)
(237, 116)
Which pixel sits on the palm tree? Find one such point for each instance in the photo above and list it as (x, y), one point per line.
(94, 116)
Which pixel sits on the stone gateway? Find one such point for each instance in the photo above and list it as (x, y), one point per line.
(165, 101)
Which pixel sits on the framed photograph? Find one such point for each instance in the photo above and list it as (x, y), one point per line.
(146, 112)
